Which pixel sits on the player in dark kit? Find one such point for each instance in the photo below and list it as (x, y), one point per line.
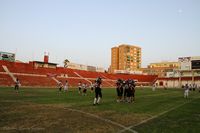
(132, 89)
(129, 91)
(119, 89)
(92, 87)
(98, 94)
(84, 86)
(126, 91)
(60, 86)
(79, 87)
(17, 84)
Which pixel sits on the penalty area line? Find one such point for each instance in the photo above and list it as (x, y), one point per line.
(103, 119)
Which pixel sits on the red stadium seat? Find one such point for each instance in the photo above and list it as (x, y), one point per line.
(30, 76)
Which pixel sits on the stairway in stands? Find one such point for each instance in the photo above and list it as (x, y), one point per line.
(9, 73)
(110, 84)
(83, 77)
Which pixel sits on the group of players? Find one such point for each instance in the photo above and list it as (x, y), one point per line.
(95, 86)
(65, 86)
(125, 90)
(187, 88)
(82, 89)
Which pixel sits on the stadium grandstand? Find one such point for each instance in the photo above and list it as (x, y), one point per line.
(45, 74)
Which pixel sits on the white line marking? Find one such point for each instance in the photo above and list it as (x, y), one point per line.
(103, 119)
(153, 117)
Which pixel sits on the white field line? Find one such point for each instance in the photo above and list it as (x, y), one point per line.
(156, 116)
(103, 119)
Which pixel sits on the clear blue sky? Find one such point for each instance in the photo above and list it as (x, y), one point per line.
(84, 31)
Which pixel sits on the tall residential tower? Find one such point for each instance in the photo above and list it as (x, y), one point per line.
(125, 57)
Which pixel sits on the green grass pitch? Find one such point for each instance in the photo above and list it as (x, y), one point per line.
(46, 110)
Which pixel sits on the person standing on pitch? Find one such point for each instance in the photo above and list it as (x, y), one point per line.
(66, 87)
(60, 86)
(133, 85)
(186, 93)
(17, 84)
(79, 87)
(92, 87)
(84, 86)
(98, 94)
(154, 87)
(126, 91)
(119, 89)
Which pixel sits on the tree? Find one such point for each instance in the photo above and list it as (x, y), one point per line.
(66, 61)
